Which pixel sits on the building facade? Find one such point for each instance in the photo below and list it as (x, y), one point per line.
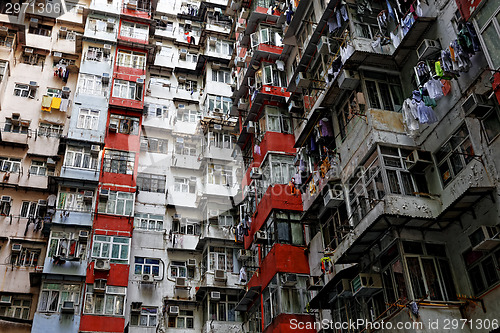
(249, 166)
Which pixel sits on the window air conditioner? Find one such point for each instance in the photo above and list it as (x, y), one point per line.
(243, 103)
(34, 22)
(176, 217)
(136, 307)
(315, 283)
(343, 288)
(16, 247)
(113, 127)
(295, 107)
(348, 79)
(180, 282)
(217, 127)
(5, 299)
(427, 48)
(103, 194)
(173, 310)
(100, 285)
(102, 265)
(182, 54)
(51, 161)
(240, 27)
(366, 284)
(260, 237)
(220, 275)
(57, 55)
(288, 279)
(83, 234)
(68, 307)
(256, 173)
(181, 79)
(88, 195)
(213, 213)
(251, 127)
(66, 89)
(418, 160)
(191, 262)
(239, 61)
(42, 202)
(107, 46)
(6, 199)
(485, 238)
(476, 106)
(140, 80)
(333, 198)
(215, 295)
(302, 80)
(147, 278)
(28, 50)
(244, 254)
(95, 149)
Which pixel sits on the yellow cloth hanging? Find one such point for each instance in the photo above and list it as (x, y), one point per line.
(46, 103)
(56, 103)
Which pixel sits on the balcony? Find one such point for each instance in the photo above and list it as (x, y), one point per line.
(15, 139)
(216, 26)
(186, 162)
(140, 9)
(73, 217)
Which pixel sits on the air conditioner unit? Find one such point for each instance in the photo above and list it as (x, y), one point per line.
(107, 46)
(191, 262)
(83, 234)
(212, 41)
(6, 199)
(251, 127)
(51, 161)
(110, 23)
(140, 81)
(260, 237)
(418, 160)
(182, 54)
(256, 173)
(136, 307)
(103, 194)
(193, 179)
(217, 127)
(181, 79)
(215, 295)
(102, 265)
(147, 278)
(485, 238)
(365, 284)
(28, 50)
(100, 285)
(34, 22)
(315, 283)
(427, 48)
(179, 140)
(243, 104)
(213, 213)
(180, 282)
(113, 127)
(295, 107)
(68, 307)
(173, 310)
(302, 80)
(176, 217)
(88, 195)
(5, 299)
(57, 55)
(288, 279)
(95, 149)
(323, 45)
(4, 30)
(343, 288)
(33, 84)
(476, 106)
(220, 275)
(16, 247)
(132, 4)
(244, 13)
(333, 198)
(348, 79)
(240, 27)
(239, 62)
(42, 202)
(105, 78)
(188, 22)
(66, 89)
(244, 254)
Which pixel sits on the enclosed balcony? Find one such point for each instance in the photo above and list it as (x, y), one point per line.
(101, 27)
(133, 33)
(137, 8)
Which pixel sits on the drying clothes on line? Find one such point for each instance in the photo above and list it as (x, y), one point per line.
(346, 52)
(407, 23)
(302, 165)
(476, 46)
(64, 105)
(396, 40)
(46, 102)
(56, 103)
(426, 114)
(434, 88)
(326, 127)
(243, 275)
(326, 265)
(446, 87)
(256, 150)
(410, 117)
(438, 69)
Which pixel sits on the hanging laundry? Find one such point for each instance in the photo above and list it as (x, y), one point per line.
(64, 105)
(66, 75)
(438, 69)
(410, 117)
(256, 150)
(434, 88)
(46, 102)
(243, 275)
(326, 127)
(446, 87)
(313, 145)
(395, 39)
(56, 103)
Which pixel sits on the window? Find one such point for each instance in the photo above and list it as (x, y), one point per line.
(220, 140)
(276, 121)
(22, 90)
(111, 247)
(384, 91)
(8, 40)
(50, 130)
(266, 36)
(127, 90)
(90, 85)
(488, 24)
(190, 116)
(221, 258)
(125, 124)
(225, 220)
(4, 69)
(156, 110)
(335, 227)
(278, 169)
(224, 308)
(151, 183)
(28, 209)
(219, 104)
(21, 127)
(154, 145)
(185, 148)
(482, 268)
(165, 25)
(88, 119)
(185, 319)
(189, 85)
(12, 165)
(146, 266)
(53, 296)
(80, 157)
(28, 257)
(221, 75)
(38, 168)
(179, 269)
(67, 245)
(41, 29)
(95, 25)
(491, 125)
(116, 161)
(221, 47)
(131, 59)
(219, 174)
(285, 228)
(134, 30)
(186, 227)
(399, 179)
(33, 59)
(454, 155)
(184, 185)
(110, 303)
(118, 203)
(270, 75)
(149, 222)
(19, 308)
(75, 199)
(97, 54)
(146, 318)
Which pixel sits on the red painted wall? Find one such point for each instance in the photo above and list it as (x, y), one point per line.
(278, 196)
(467, 7)
(283, 258)
(274, 141)
(114, 223)
(282, 324)
(89, 323)
(116, 276)
(270, 48)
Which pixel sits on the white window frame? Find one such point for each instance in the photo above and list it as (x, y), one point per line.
(90, 84)
(131, 59)
(61, 244)
(148, 317)
(88, 119)
(183, 185)
(114, 296)
(74, 157)
(103, 247)
(125, 89)
(38, 168)
(72, 199)
(10, 164)
(134, 30)
(57, 294)
(124, 199)
(146, 267)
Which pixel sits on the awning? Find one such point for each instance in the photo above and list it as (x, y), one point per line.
(323, 297)
(249, 297)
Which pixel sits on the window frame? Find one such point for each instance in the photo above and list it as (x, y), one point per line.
(118, 161)
(116, 198)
